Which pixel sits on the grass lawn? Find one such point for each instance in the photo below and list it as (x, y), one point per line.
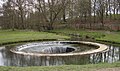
(98, 35)
(16, 36)
(113, 37)
(7, 36)
(82, 33)
(90, 67)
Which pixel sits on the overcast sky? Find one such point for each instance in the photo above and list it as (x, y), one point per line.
(1, 2)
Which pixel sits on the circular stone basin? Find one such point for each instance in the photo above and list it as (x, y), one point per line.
(48, 49)
(56, 48)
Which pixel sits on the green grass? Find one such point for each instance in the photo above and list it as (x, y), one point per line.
(82, 33)
(7, 36)
(98, 35)
(89, 67)
(16, 36)
(111, 37)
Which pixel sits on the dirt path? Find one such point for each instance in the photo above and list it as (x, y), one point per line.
(108, 69)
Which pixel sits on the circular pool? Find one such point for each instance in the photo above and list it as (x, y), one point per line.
(57, 48)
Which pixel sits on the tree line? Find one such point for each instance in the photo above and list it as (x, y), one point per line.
(50, 14)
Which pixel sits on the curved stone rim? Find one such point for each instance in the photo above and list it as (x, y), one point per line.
(102, 47)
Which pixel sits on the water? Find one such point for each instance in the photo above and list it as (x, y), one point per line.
(46, 48)
(110, 56)
(10, 59)
(52, 47)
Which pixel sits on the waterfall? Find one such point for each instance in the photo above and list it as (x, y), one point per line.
(46, 48)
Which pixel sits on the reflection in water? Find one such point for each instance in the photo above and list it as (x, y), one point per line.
(9, 59)
(110, 56)
(1, 60)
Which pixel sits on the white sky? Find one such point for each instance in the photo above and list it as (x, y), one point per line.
(1, 2)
